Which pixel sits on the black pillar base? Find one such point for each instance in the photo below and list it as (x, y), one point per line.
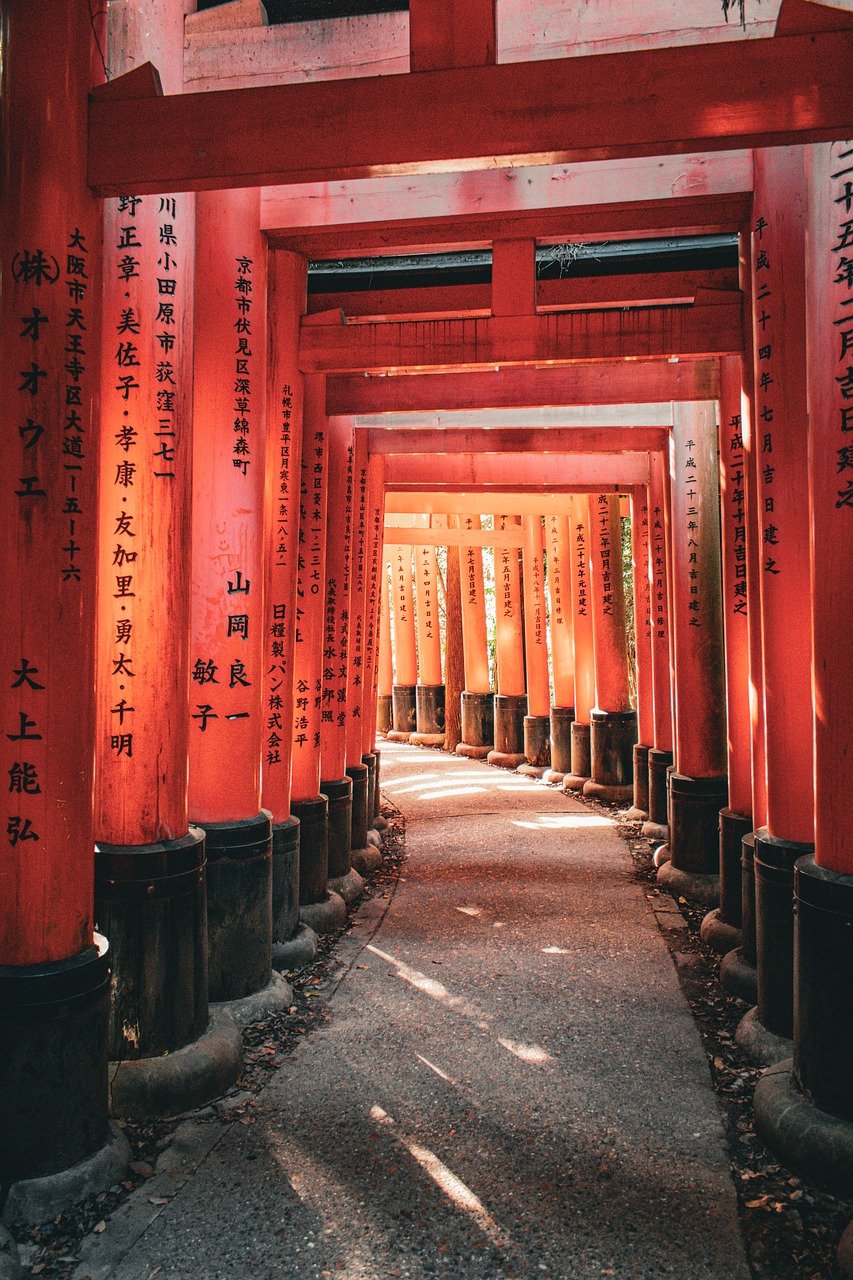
(151, 902)
(562, 719)
(313, 815)
(359, 775)
(580, 758)
(808, 1139)
(377, 783)
(747, 898)
(612, 738)
(733, 828)
(338, 792)
(639, 810)
(537, 743)
(694, 826)
(509, 712)
(657, 825)
(762, 1047)
(239, 906)
(54, 1021)
(404, 718)
(294, 945)
(429, 715)
(384, 712)
(371, 760)
(478, 725)
(774, 929)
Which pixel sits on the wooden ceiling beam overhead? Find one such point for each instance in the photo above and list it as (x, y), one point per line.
(511, 502)
(515, 470)
(770, 92)
(542, 440)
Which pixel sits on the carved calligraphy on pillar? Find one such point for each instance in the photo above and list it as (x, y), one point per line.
(735, 511)
(840, 339)
(606, 553)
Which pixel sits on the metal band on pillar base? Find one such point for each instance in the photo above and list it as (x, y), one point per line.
(509, 712)
(657, 826)
(322, 911)
(343, 879)
(478, 725)
(537, 746)
(737, 969)
(404, 717)
(693, 869)
(562, 719)
(612, 738)
(57, 1142)
(384, 713)
(429, 700)
(294, 945)
(721, 926)
(804, 1108)
(581, 758)
(639, 810)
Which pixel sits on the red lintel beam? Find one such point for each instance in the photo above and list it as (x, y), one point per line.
(539, 440)
(516, 470)
(451, 537)
(663, 101)
(485, 501)
(558, 338)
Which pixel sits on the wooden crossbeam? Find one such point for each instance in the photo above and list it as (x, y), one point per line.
(408, 441)
(769, 92)
(515, 470)
(395, 537)
(476, 502)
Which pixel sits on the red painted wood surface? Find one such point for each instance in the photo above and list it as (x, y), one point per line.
(459, 33)
(228, 548)
(513, 288)
(828, 291)
(518, 440)
(306, 708)
(403, 615)
(736, 603)
(700, 694)
(509, 648)
(285, 395)
(358, 602)
(582, 608)
(337, 620)
(642, 614)
(426, 613)
(535, 627)
(779, 354)
(653, 102)
(548, 472)
(558, 546)
(376, 597)
(386, 658)
(659, 553)
(474, 640)
(50, 232)
(608, 604)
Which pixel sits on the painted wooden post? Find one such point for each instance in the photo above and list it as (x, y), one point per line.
(661, 754)
(227, 604)
(405, 643)
(477, 698)
(430, 690)
(640, 567)
(511, 698)
(537, 722)
(386, 662)
(376, 607)
(698, 785)
(583, 646)
(356, 769)
(613, 723)
(53, 1070)
(558, 548)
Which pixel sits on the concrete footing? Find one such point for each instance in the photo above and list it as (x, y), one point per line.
(844, 1256)
(35, 1200)
(297, 952)
(531, 770)
(426, 739)
(177, 1082)
(700, 890)
(811, 1141)
(658, 832)
(10, 1265)
(367, 860)
(738, 976)
(275, 997)
(718, 934)
(661, 855)
(761, 1046)
(506, 759)
(350, 886)
(326, 916)
(471, 752)
(607, 793)
(397, 735)
(553, 778)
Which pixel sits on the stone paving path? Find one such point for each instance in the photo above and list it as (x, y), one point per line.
(510, 1084)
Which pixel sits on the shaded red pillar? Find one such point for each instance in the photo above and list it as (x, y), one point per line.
(511, 698)
(698, 785)
(640, 568)
(405, 643)
(558, 576)
(227, 608)
(356, 769)
(613, 725)
(430, 690)
(661, 755)
(376, 606)
(583, 645)
(386, 658)
(53, 1070)
(477, 699)
(537, 723)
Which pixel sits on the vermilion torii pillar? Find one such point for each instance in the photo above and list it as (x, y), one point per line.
(808, 1116)
(356, 769)
(386, 661)
(779, 334)
(227, 610)
(336, 784)
(537, 723)
(639, 812)
(558, 544)
(376, 607)
(510, 699)
(721, 927)
(430, 690)
(698, 785)
(322, 910)
(583, 646)
(146, 850)
(661, 754)
(53, 1070)
(477, 698)
(613, 725)
(405, 644)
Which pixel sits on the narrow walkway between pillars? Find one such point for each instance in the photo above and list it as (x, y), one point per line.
(510, 1083)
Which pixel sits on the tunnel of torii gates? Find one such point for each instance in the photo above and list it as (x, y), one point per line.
(214, 486)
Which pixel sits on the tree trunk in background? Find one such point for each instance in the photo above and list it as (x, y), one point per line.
(454, 673)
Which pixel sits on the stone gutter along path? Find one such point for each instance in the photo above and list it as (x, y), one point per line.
(510, 1083)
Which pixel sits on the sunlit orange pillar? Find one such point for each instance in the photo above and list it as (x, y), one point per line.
(661, 754)
(613, 725)
(721, 927)
(430, 690)
(405, 644)
(478, 704)
(698, 785)
(227, 605)
(336, 784)
(639, 811)
(558, 577)
(537, 722)
(808, 1116)
(779, 353)
(322, 910)
(376, 606)
(53, 1070)
(386, 662)
(583, 645)
(510, 699)
(356, 768)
